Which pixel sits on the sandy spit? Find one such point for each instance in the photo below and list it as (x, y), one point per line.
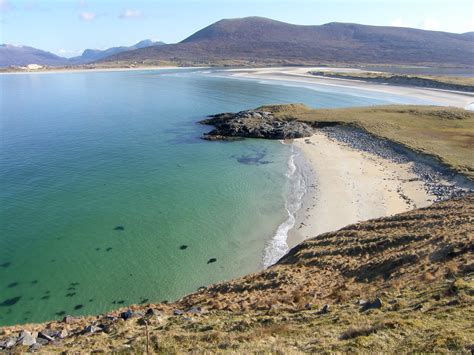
(300, 76)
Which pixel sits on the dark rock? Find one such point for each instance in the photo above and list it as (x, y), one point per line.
(42, 341)
(194, 310)
(47, 335)
(126, 315)
(90, 329)
(376, 303)
(150, 312)
(255, 124)
(211, 260)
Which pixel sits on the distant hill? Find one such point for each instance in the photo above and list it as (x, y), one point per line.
(92, 55)
(22, 55)
(256, 39)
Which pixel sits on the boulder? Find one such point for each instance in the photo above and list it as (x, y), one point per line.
(47, 335)
(376, 303)
(126, 315)
(63, 334)
(26, 338)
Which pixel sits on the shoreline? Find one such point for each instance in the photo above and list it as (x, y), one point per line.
(299, 77)
(351, 185)
(96, 70)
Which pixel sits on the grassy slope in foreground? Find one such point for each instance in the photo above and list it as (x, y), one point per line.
(444, 132)
(419, 264)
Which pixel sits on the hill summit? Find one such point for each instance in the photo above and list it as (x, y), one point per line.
(262, 40)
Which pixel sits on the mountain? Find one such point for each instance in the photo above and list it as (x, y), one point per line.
(92, 55)
(23, 55)
(258, 40)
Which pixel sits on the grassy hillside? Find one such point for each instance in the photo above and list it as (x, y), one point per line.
(444, 132)
(396, 284)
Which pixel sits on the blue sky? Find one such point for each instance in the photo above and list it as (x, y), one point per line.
(67, 27)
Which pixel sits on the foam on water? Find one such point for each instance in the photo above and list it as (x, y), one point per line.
(277, 247)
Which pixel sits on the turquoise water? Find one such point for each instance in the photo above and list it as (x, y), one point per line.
(109, 197)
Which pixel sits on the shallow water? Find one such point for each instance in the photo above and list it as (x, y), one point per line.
(109, 197)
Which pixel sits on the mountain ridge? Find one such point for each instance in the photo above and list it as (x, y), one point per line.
(13, 55)
(257, 39)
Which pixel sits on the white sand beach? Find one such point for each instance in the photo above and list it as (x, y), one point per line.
(300, 76)
(352, 186)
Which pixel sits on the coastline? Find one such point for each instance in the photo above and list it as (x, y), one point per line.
(299, 76)
(93, 70)
(351, 185)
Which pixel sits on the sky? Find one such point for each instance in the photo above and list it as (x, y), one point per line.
(67, 27)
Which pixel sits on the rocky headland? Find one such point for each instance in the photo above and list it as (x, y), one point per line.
(254, 124)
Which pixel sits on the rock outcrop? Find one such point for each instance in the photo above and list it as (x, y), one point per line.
(254, 124)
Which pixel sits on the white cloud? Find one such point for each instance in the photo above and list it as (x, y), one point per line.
(82, 3)
(430, 24)
(87, 16)
(129, 13)
(398, 22)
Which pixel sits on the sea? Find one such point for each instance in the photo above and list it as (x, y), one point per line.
(109, 196)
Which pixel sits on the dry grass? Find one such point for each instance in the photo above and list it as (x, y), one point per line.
(446, 133)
